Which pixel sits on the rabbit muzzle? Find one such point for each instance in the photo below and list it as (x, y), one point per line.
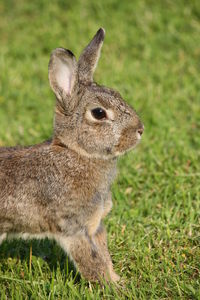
(129, 138)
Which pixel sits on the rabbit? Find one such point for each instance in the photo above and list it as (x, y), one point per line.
(61, 188)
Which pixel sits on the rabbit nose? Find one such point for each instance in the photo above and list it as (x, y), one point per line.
(141, 130)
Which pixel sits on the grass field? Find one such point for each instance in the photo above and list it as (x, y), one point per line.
(151, 54)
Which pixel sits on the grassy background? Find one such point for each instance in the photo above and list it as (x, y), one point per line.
(151, 55)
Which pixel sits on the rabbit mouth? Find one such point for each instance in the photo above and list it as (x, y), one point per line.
(129, 139)
(120, 150)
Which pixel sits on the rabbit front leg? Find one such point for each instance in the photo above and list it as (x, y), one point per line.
(86, 256)
(107, 205)
(100, 239)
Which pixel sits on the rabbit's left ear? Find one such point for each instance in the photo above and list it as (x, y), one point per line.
(89, 58)
(63, 75)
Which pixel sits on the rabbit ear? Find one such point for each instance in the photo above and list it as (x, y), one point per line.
(89, 58)
(63, 74)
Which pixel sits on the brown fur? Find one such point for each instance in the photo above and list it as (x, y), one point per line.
(61, 188)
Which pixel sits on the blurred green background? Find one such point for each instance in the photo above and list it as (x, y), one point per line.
(151, 54)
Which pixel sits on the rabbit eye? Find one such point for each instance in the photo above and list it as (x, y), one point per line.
(99, 113)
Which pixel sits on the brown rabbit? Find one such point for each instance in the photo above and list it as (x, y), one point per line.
(61, 188)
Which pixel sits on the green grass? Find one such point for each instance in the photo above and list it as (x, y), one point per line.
(151, 55)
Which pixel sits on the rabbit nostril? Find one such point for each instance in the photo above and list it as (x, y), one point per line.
(140, 131)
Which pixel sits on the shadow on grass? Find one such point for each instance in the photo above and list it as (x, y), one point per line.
(50, 254)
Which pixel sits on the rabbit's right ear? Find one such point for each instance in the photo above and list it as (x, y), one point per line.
(63, 76)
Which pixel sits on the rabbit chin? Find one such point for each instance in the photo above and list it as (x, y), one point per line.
(123, 151)
(109, 153)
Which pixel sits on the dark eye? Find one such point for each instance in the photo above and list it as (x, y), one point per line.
(99, 113)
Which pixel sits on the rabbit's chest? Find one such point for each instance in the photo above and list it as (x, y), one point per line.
(77, 216)
(83, 199)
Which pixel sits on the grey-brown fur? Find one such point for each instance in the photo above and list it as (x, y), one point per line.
(61, 188)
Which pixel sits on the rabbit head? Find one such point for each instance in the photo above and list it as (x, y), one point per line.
(92, 120)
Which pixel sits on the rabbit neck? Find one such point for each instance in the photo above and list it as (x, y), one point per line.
(104, 169)
(74, 147)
